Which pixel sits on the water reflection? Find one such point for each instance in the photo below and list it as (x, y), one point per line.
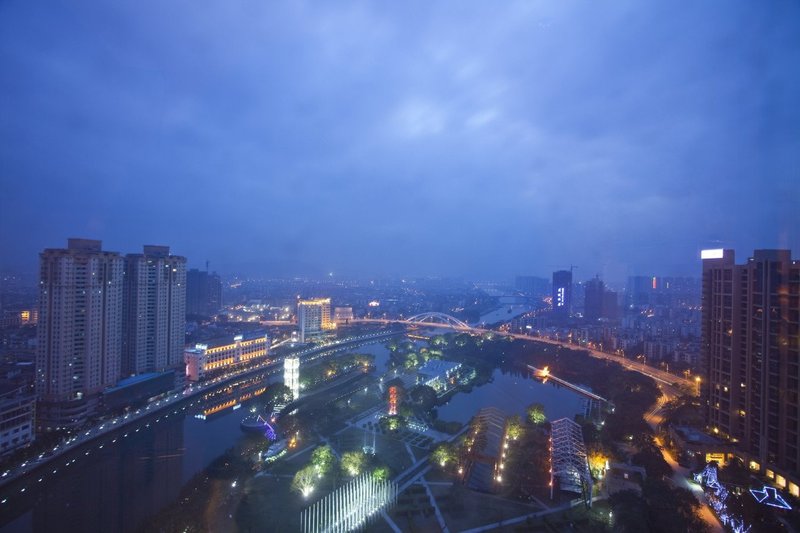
(130, 475)
(512, 391)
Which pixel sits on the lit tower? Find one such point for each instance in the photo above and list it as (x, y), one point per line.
(393, 400)
(291, 375)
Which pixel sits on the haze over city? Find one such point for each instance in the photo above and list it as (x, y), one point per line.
(456, 139)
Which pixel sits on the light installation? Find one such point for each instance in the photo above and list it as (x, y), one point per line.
(718, 497)
(351, 507)
(568, 461)
(291, 375)
(269, 431)
(769, 496)
(392, 400)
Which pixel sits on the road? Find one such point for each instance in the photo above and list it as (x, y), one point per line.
(680, 474)
(100, 429)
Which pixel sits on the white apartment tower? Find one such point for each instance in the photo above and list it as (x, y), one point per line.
(80, 331)
(313, 316)
(154, 315)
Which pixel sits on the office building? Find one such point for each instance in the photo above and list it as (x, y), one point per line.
(79, 331)
(314, 317)
(750, 352)
(224, 354)
(154, 313)
(562, 294)
(203, 293)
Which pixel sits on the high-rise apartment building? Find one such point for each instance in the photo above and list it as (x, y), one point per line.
(79, 331)
(154, 315)
(562, 294)
(203, 293)
(593, 300)
(313, 317)
(751, 351)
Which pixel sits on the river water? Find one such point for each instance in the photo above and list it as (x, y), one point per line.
(129, 476)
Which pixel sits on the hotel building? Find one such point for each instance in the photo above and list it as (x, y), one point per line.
(314, 317)
(224, 354)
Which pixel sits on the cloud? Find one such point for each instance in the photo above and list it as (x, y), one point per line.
(413, 138)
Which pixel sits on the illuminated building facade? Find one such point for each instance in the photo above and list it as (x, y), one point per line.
(154, 313)
(751, 352)
(224, 354)
(562, 294)
(291, 375)
(314, 317)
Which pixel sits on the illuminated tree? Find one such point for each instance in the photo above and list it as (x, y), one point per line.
(536, 413)
(438, 340)
(381, 473)
(304, 480)
(597, 458)
(411, 360)
(514, 427)
(443, 454)
(353, 462)
(323, 459)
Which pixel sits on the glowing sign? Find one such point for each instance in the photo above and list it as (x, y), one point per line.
(712, 254)
(560, 297)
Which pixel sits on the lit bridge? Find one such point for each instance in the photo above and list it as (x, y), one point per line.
(427, 319)
(544, 374)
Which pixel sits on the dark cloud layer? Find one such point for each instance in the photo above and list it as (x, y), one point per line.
(457, 138)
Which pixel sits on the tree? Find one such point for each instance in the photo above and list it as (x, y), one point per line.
(422, 397)
(279, 394)
(353, 462)
(651, 458)
(671, 509)
(381, 473)
(596, 457)
(514, 428)
(411, 360)
(536, 413)
(323, 459)
(443, 454)
(438, 340)
(304, 480)
(629, 512)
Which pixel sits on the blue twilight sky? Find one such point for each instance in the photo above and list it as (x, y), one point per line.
(483, 139)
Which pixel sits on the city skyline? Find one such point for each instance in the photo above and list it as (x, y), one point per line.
(484, 142)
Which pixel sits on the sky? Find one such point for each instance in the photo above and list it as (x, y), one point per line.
(458, 138)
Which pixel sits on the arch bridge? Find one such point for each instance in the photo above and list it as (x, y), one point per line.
(433, 318)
